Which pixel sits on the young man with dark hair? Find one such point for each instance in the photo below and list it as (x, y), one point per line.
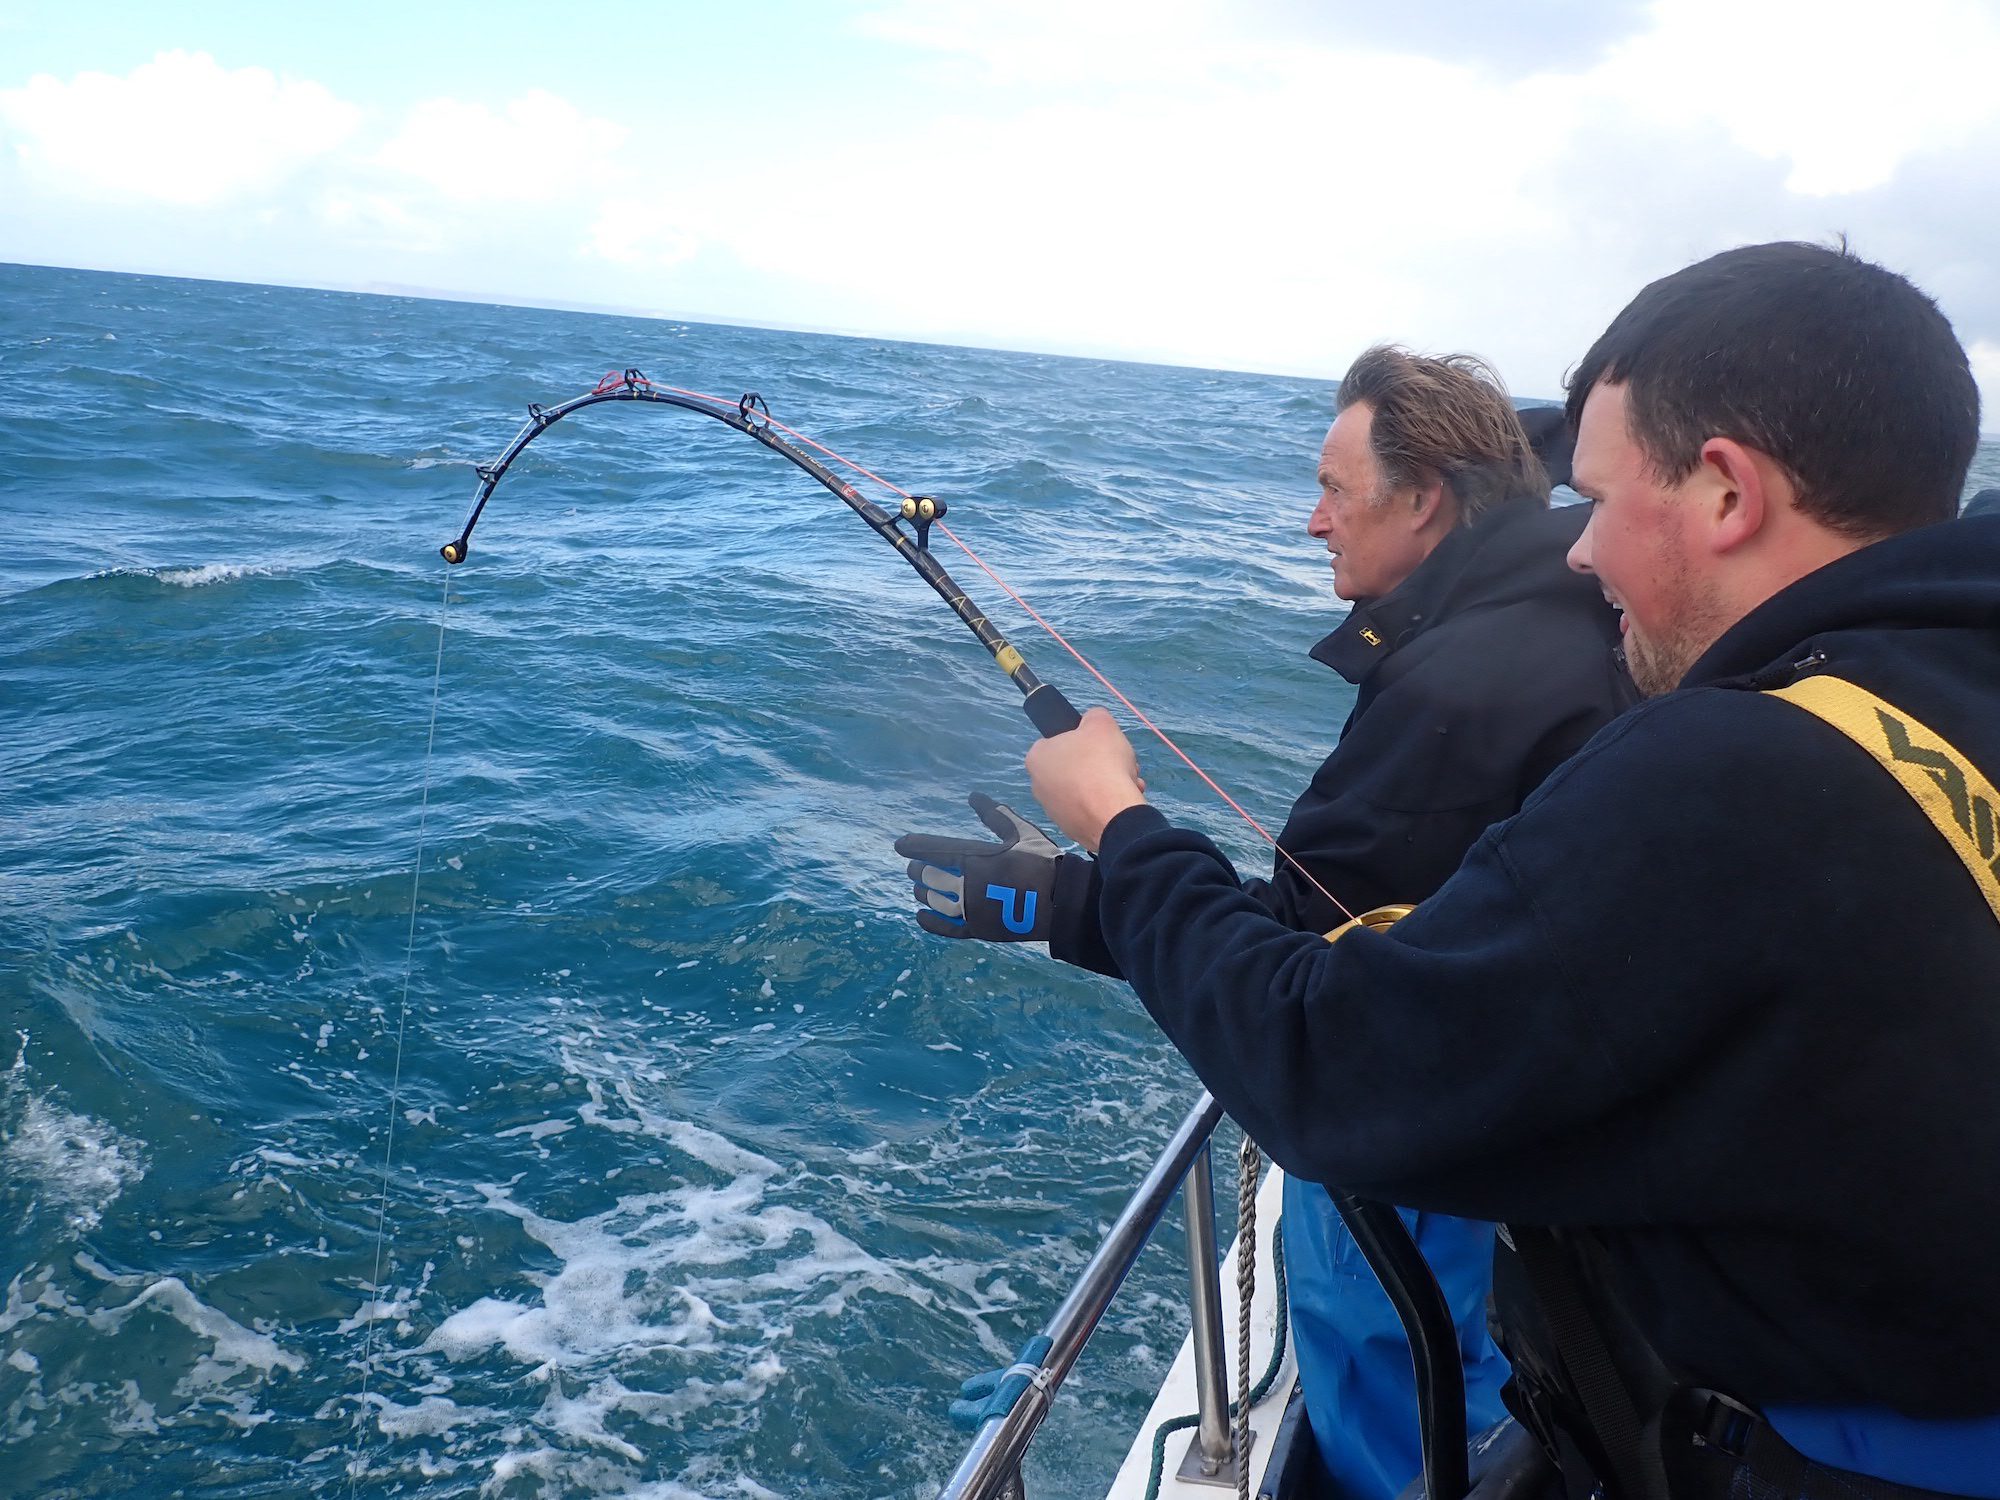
(1482, 663)
(1711, 1024)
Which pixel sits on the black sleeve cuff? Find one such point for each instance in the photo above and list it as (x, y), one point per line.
(1127, 828)
(1076, 936)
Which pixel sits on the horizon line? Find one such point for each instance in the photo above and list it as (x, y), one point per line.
(524, 301)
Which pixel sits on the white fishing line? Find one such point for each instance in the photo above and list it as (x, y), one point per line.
(373, 1310)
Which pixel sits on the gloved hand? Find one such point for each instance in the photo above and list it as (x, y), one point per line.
(1002, 892)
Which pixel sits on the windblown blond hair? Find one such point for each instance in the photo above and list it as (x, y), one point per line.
(1445, 417)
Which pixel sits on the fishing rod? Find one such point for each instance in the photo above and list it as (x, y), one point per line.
(1385, 1242)
(1044, 704)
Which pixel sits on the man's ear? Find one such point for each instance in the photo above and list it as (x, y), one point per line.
(1738, 495)
(1429, 500)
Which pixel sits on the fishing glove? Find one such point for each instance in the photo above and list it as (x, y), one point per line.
(1002, 892)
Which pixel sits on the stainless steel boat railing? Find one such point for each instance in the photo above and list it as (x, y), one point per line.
(991, 1467)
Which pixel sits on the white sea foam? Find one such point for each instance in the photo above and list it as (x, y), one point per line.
(207, 573)
(716, 1272)
(30, 1300)
(538, 1131)
(223, 1369)
(197, 576)
(674, 1489)
(433, 1416)
(701, 1267)
(73, 1164)
(668, 1308)
(558, 1470)
(376, 1310)
(234, 1350)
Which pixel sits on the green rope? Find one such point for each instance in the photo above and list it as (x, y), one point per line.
(1258, 1391)
(1160, 1435)
(1263, 1387)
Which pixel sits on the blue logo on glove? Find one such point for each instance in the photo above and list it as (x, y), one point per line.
(1008, 898)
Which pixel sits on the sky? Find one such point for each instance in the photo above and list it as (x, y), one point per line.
(1244, 184)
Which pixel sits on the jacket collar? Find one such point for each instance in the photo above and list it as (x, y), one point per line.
(1516, 550)
(1944, 575)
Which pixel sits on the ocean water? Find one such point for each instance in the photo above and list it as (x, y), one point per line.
(710, 1173)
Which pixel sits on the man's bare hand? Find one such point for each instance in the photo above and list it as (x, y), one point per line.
(1085, 778)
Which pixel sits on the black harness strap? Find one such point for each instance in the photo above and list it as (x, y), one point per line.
(1636, 1471)
(1674, 1440)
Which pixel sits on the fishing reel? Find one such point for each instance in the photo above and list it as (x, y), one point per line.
(1378, 919)
(921, 510)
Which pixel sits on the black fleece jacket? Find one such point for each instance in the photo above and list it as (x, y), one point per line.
(1487, 668)
(1720, 993)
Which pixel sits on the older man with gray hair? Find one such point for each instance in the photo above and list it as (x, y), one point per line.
(1479, 662)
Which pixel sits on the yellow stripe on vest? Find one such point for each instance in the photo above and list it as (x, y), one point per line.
(1946, 785)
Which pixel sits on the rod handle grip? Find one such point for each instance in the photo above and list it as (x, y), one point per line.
(1050, 711)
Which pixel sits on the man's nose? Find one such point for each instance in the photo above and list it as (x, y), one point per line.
(1579, 552)
(1318, 524)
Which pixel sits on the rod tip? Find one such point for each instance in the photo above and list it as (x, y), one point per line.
(453, 552)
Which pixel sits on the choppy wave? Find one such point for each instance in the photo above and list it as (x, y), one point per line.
(199, 575)
(65, 1163)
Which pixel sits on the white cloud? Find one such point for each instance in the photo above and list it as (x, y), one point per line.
(1841, 90)
(380, 219)
(1258, 183)
(180, 129)
(1045, 42)
(1262, 183)
(536, 148)
(652, 232)
(1985, 357)
(1207, 197)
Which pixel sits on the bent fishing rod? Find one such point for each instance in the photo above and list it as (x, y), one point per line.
(1045, 706)
(1385, 1242)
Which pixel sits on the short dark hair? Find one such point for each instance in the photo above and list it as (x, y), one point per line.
(1448, 416)
(1838, 369)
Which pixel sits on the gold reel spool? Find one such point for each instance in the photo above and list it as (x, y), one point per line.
(1381, 919)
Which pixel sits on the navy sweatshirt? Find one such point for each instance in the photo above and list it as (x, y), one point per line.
(1488, 667)
(1720, 992)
